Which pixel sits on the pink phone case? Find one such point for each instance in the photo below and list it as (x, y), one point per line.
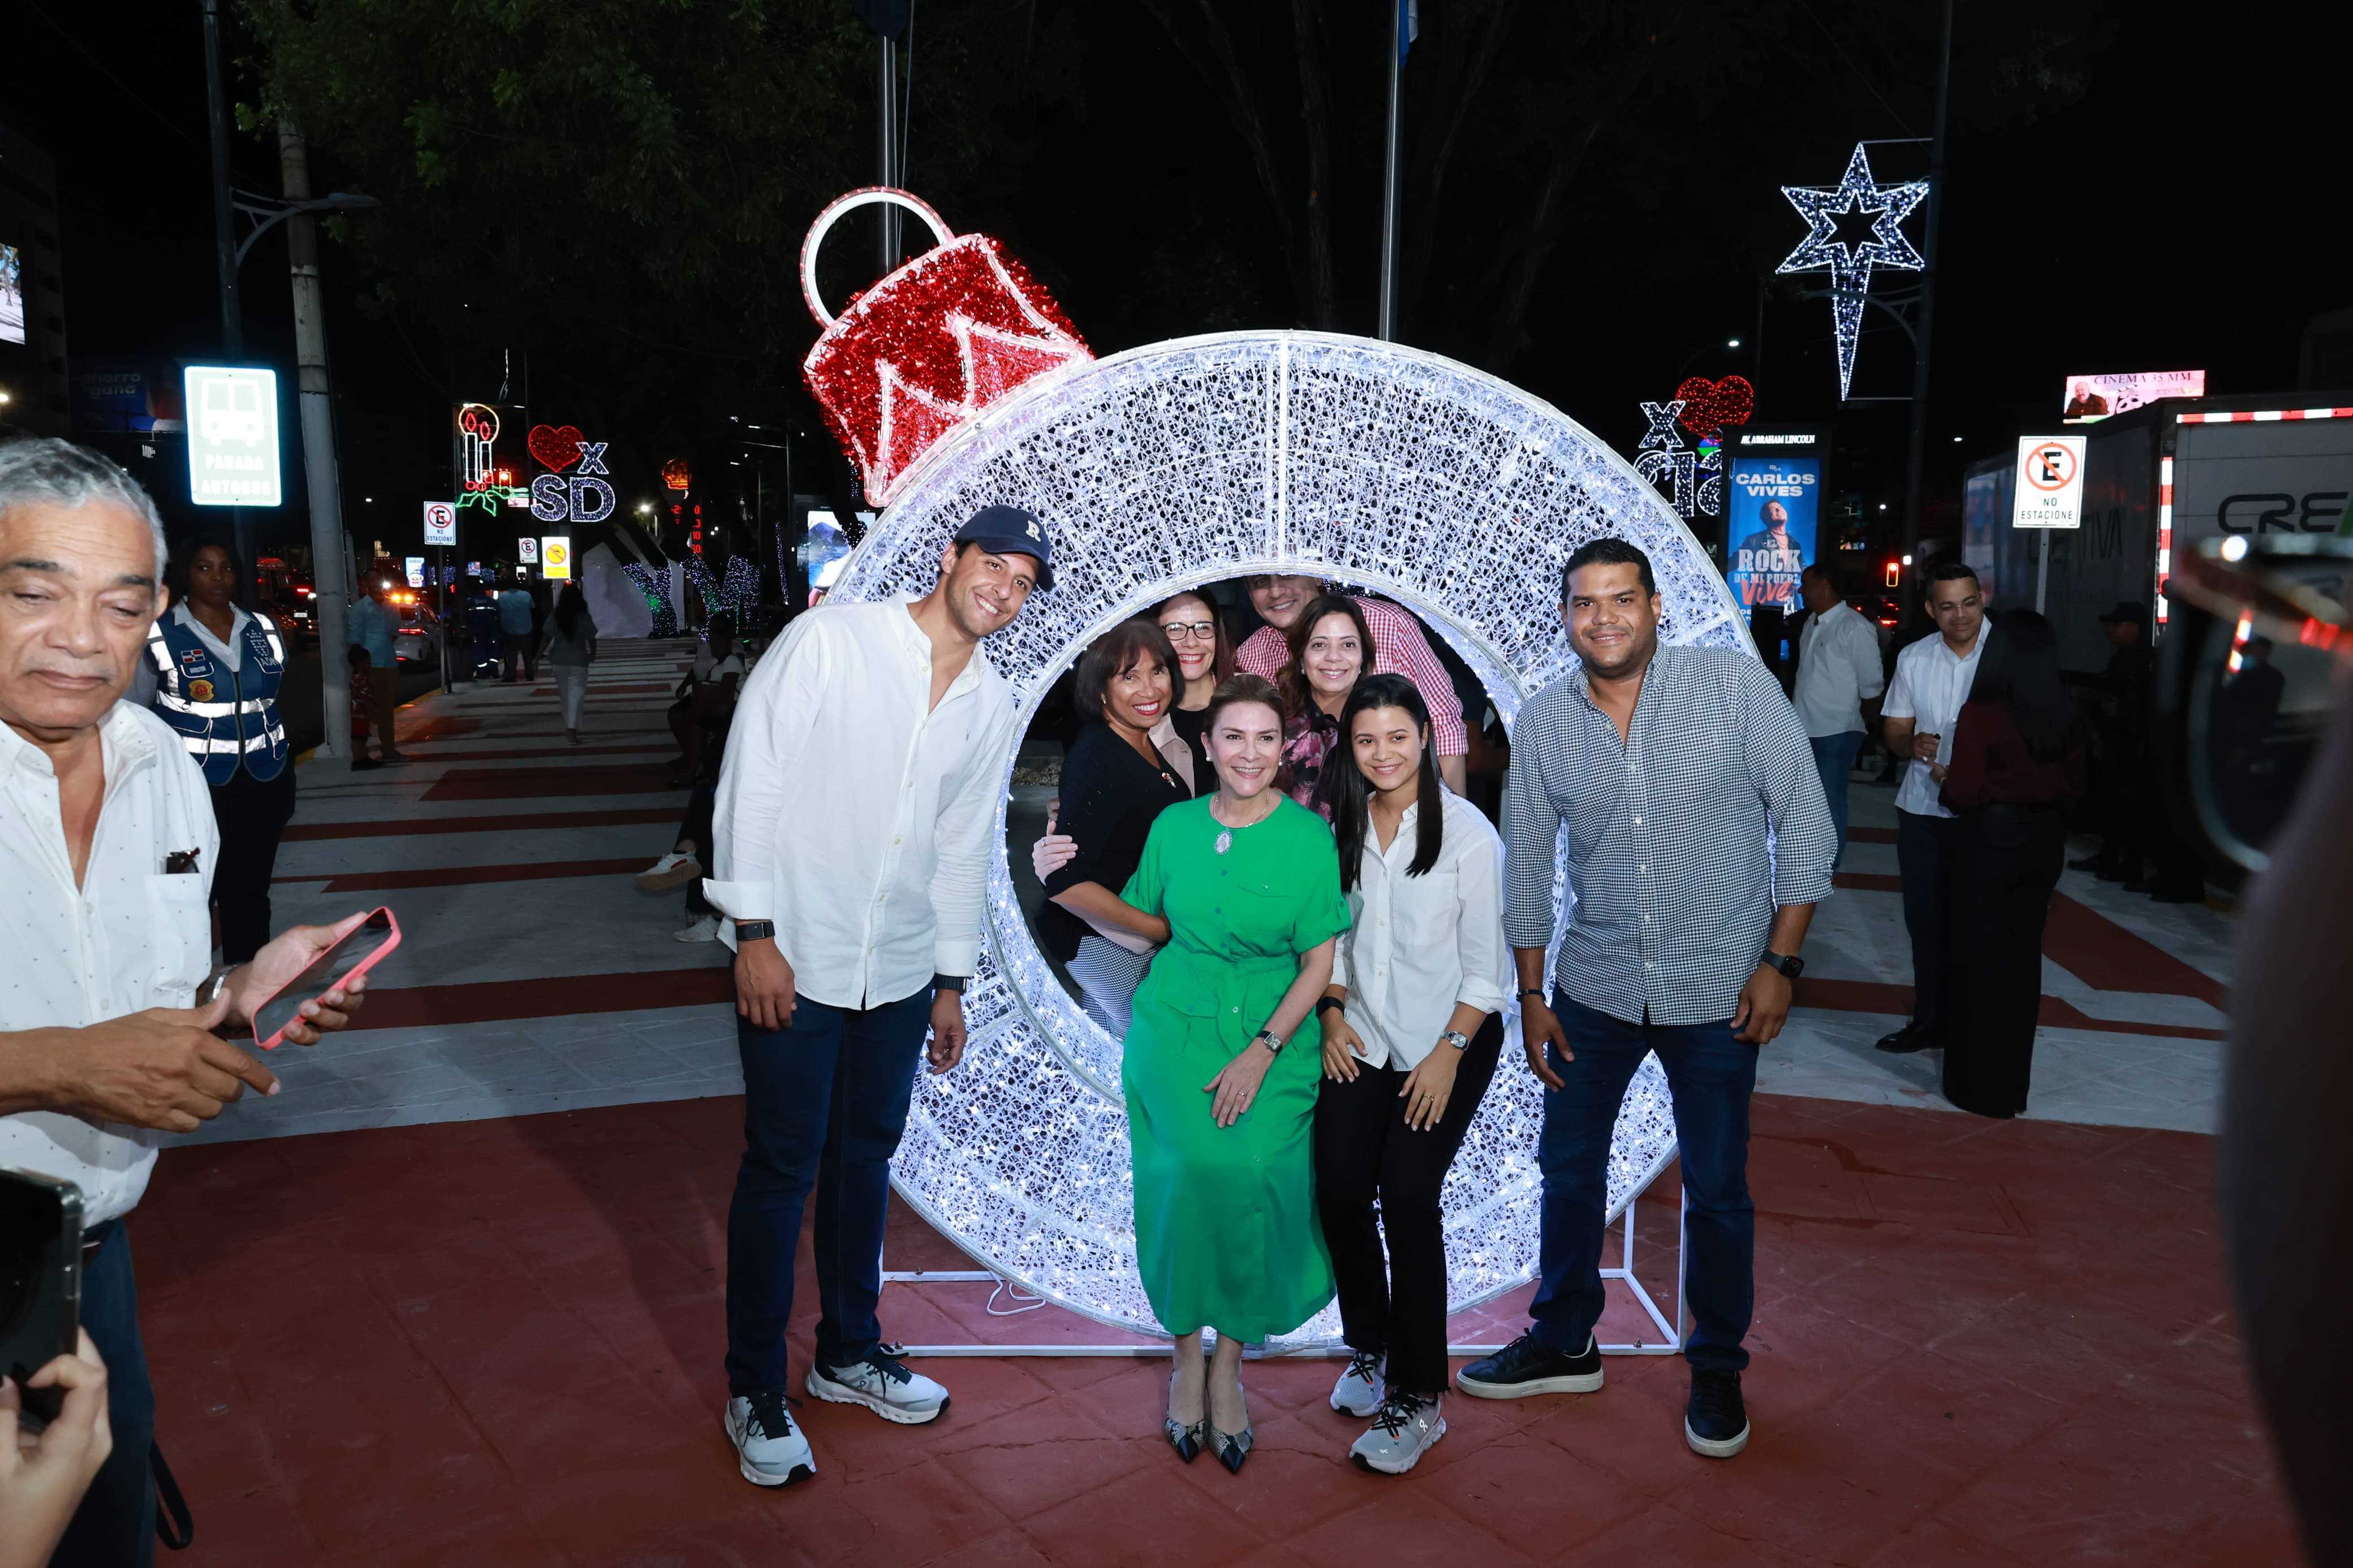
(364, 964)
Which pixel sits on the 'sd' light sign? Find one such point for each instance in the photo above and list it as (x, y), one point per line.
(233, 458)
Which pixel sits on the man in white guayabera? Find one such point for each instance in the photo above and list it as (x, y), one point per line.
(111, 1006)
(851, 847)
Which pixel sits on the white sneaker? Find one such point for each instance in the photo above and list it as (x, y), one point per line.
(704, 929)
(884, 1384)
(1404, 1430)
(769, 1448)
(1358, 1392)
(675, 869)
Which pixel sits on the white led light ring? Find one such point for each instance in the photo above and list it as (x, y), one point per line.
(1183, 463)
(870, 196)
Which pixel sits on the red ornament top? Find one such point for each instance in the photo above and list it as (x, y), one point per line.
(929, 347)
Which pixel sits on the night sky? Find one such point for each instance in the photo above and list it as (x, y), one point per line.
(2169, 217)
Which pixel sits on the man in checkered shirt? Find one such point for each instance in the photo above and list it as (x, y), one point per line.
(1698, 843)
(1398, 649)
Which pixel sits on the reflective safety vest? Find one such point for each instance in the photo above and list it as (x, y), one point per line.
(226, 718)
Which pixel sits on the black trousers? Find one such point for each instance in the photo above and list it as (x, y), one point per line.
(2009, 860)
(1926, 849)
(252, 815)
(1364, 1153)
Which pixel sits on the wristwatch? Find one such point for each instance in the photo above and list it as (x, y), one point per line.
(948, 983)
(1269, 1039)
(1329, 1004)
(755, 930)
(1789, 967)
(1457, 1038)
(1538, 992)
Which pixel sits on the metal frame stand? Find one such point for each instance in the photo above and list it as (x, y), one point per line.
(1669, 1328)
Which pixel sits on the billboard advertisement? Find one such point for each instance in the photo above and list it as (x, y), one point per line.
(1772, 512)
(2090, 397)
(12, 295)
(233, 457)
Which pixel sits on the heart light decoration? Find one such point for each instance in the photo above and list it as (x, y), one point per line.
(1710, 405)
(557, 445)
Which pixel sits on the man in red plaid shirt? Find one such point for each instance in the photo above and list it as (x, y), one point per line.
(1398, 649)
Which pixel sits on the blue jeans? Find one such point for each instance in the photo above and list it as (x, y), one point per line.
(1712, 1075)
(1834, 755)
(825, 1102)
(115, 1525)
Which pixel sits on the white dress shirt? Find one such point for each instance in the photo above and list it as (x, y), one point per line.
(856, 815)
(1416, 946)
(1838, 670)
(127, 938)
(1931, 683)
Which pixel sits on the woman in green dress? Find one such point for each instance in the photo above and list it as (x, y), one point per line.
(1221, 1066)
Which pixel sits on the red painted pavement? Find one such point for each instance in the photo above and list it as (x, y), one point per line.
(499, 1342)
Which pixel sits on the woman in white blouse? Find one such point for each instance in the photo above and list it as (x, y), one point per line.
(1412, 1026)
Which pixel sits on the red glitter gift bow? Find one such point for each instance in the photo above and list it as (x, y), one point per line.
(922, 352)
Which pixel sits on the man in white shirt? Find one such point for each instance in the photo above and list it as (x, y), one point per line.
(1931, 680)
(1838, 673)
(851, 858)
(108, 1012)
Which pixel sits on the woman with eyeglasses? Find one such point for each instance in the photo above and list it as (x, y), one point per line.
(1204, 656)
(1412, 1027)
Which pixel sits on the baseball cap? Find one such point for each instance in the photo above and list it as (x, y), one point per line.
(1011, 530)
(2129, 612)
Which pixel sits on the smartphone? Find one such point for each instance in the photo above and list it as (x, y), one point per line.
(40, 1283)
(363, 947)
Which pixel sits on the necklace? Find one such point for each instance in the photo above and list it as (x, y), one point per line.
(1225, 840)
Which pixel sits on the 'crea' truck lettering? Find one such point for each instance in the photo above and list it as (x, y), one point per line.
(2316, 512)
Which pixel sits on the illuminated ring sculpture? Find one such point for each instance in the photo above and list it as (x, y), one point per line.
(1179, 464)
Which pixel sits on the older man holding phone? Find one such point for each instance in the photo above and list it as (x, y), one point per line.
(111, 1010)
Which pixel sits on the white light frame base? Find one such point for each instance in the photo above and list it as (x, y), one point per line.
(1672, 1329)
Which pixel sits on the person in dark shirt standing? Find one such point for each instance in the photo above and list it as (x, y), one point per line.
(1115, 781)
(1698, 844)
(2017, 762)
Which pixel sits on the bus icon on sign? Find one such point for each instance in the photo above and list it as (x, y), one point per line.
(232, 411)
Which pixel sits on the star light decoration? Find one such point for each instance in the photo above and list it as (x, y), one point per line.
(1849, 262)
(1212, 457)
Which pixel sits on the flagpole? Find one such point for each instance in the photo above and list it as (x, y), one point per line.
(1387, 332)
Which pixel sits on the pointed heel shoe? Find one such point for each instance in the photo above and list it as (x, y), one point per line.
(1232, 1448)
(1186, 1440)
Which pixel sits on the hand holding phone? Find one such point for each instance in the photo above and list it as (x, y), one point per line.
(42, 1481)
(309, 979)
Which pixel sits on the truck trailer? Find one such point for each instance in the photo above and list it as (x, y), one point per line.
(2158, 479)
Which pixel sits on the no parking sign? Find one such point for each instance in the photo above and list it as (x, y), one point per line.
(2049, 492)
(440, 522)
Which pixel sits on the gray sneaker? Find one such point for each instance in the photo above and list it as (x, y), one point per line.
(1400, 1434)
(884, 1384)
(1359, 1392)
(770, 1449)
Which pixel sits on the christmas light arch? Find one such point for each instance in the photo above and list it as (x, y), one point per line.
(1186, 462)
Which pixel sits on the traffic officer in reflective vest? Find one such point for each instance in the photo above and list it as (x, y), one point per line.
(217, 670)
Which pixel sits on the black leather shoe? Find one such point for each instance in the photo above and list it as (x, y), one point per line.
(1529, 1366)
(1915, 1035)
(1716, 1422)
(2178, 895)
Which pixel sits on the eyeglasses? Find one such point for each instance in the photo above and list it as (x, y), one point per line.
(1193, 631)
